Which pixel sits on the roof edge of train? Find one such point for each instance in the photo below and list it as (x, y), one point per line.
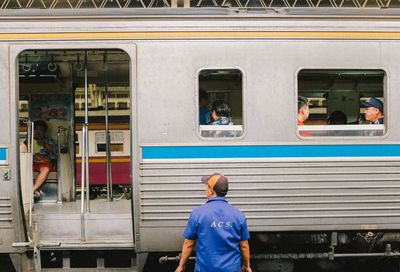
(198, 13)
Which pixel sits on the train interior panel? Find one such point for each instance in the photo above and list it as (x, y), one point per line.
(80, 100)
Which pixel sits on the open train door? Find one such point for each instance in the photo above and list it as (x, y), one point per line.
(101, 84)
(84, 96)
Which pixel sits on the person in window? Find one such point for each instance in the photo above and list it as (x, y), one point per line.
(44, 150)
(220, 114)
(337, 118)
(302, 114)
(373, 111)
(303, 110)
(204, 114)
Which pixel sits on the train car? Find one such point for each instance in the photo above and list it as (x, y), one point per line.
(313, 191)
(120, 159)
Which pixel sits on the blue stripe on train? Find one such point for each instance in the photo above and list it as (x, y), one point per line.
(270, 151)
(3, 154)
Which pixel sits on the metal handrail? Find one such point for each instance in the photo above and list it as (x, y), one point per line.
(83, 181)
(107, 138)
(30, 138)
(86, 138)
(85, 159)
(59, 187)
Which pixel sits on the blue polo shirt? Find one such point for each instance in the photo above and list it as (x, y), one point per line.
(218, 228)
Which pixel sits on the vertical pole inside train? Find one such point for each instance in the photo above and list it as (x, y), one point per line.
(86, 138)
(107, 134)
(30, 139)
(84, 129)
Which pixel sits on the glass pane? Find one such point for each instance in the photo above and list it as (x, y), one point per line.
(113, 147)
(220, 103)
(221, 131)
(342, 130)
(340, 97)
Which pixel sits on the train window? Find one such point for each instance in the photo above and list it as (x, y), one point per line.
(77, 149)
(345, 102)
(113, 147)
(123, 105)
(116, 141)
(111, 106)
(220, 103)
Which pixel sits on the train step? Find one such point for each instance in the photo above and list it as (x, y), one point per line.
(107, 223)
(49, 192)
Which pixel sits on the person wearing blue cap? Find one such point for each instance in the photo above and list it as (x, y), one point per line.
(373, 111)
(219, 231)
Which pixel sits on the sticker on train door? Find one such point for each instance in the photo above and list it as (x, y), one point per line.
(3, 155)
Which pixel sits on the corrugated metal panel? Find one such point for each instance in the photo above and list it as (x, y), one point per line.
(5, 213)
(276, 196)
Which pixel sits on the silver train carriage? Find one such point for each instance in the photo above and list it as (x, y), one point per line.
(315, 191)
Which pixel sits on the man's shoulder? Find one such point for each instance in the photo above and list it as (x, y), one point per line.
(199, 209)
(239, 212)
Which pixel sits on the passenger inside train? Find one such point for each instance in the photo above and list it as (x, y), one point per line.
(337, 118)
(338, 97)
(373, 111)
(303, 113)
(220, 114)
(223, 89)
(67, 99)
(303, 110)
(45, 156)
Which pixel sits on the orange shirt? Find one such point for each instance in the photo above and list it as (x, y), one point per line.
(303, 133)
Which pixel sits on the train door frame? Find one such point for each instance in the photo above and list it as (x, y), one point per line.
(15, 49)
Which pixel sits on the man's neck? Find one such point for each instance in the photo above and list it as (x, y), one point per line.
(212, 196)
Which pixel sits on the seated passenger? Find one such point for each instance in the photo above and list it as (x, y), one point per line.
(44, 150)
(220, 114)
(22, 147)
(337, 118)
(302, 110)
(373, 111)
(204, 111)
(302, 114)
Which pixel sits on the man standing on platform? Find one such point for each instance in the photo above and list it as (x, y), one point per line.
(219, 231)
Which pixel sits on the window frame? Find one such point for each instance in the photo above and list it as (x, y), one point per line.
(197, 109)
(366, 138)
(111, 143)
